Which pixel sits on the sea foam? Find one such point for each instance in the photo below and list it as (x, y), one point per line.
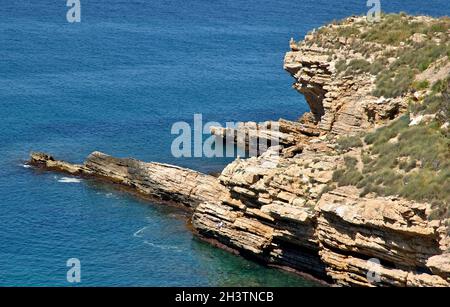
(164, 247)
(69, 180)
(138, 234)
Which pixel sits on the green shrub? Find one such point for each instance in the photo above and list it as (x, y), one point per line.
(350, 162)
(420, 85)
(393, 29)
(438, 102)
(376, 67)
(348, 31)
(384, 134)
(421, 58)
(346, 177)
(358, 66)
(327, 189)
(393, 83)
(441, 86)
(423, 148)
(341, 66)
(370, 137)
(366, 159)
(440, 26)
(346, 143)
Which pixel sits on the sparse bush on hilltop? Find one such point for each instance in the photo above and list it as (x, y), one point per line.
(392, 83)
(411, 47)
(377, 66)
(341, 65)
(420, 85)
(421, 57)
(358, 66)
(397, 28)
(437, 103)
(384, 134)
(348, 31)
(407, 161)
(442, 86)
(346, 143)
(398, 78)
(355, 66)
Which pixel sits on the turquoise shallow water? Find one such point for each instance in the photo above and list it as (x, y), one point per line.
(116, 82)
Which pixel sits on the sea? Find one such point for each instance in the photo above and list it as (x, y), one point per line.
(116, 82)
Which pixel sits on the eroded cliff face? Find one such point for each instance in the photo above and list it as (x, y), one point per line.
(277, 212)
(285, 210)
(352, 229)
(270, 212)
(283, 207)
(340, 104)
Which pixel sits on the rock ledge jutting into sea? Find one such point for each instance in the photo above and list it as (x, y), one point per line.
(319, 202)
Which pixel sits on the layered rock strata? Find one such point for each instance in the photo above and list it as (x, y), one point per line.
(281, 207)
(290, 136)
(270, 212)
(395, 232)
(283, 202)
(340, 104)
(276, 210)
(157, 180)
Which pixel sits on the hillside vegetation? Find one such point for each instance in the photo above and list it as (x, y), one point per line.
(394, 50)
(406, 159)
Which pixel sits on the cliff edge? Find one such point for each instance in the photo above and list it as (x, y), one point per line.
(355, 201)
(356, 192)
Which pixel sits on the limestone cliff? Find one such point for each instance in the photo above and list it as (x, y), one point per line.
(335, 198)
(339, 67)
(292, 202)
(157, 181)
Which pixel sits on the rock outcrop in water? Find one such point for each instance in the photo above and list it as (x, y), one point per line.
(162, 182)
(272, 209)
(284, 207)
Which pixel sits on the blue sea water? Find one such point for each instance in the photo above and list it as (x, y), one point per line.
(116, 82)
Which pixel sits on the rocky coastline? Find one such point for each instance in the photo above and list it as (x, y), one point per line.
(283, 207)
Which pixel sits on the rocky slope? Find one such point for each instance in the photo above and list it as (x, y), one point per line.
(279, 214)
(292, 201)
(300, 205)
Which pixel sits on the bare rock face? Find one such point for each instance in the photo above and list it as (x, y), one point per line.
(252, 133)
(160, 181)
(48, 162)
(440, 265)
(281, 206)
(340, 104)
(260, 137)
(275, 209)
(270, 212)
(396, 232)
(277, 212)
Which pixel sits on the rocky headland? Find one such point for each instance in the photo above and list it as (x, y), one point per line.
(356, 191)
